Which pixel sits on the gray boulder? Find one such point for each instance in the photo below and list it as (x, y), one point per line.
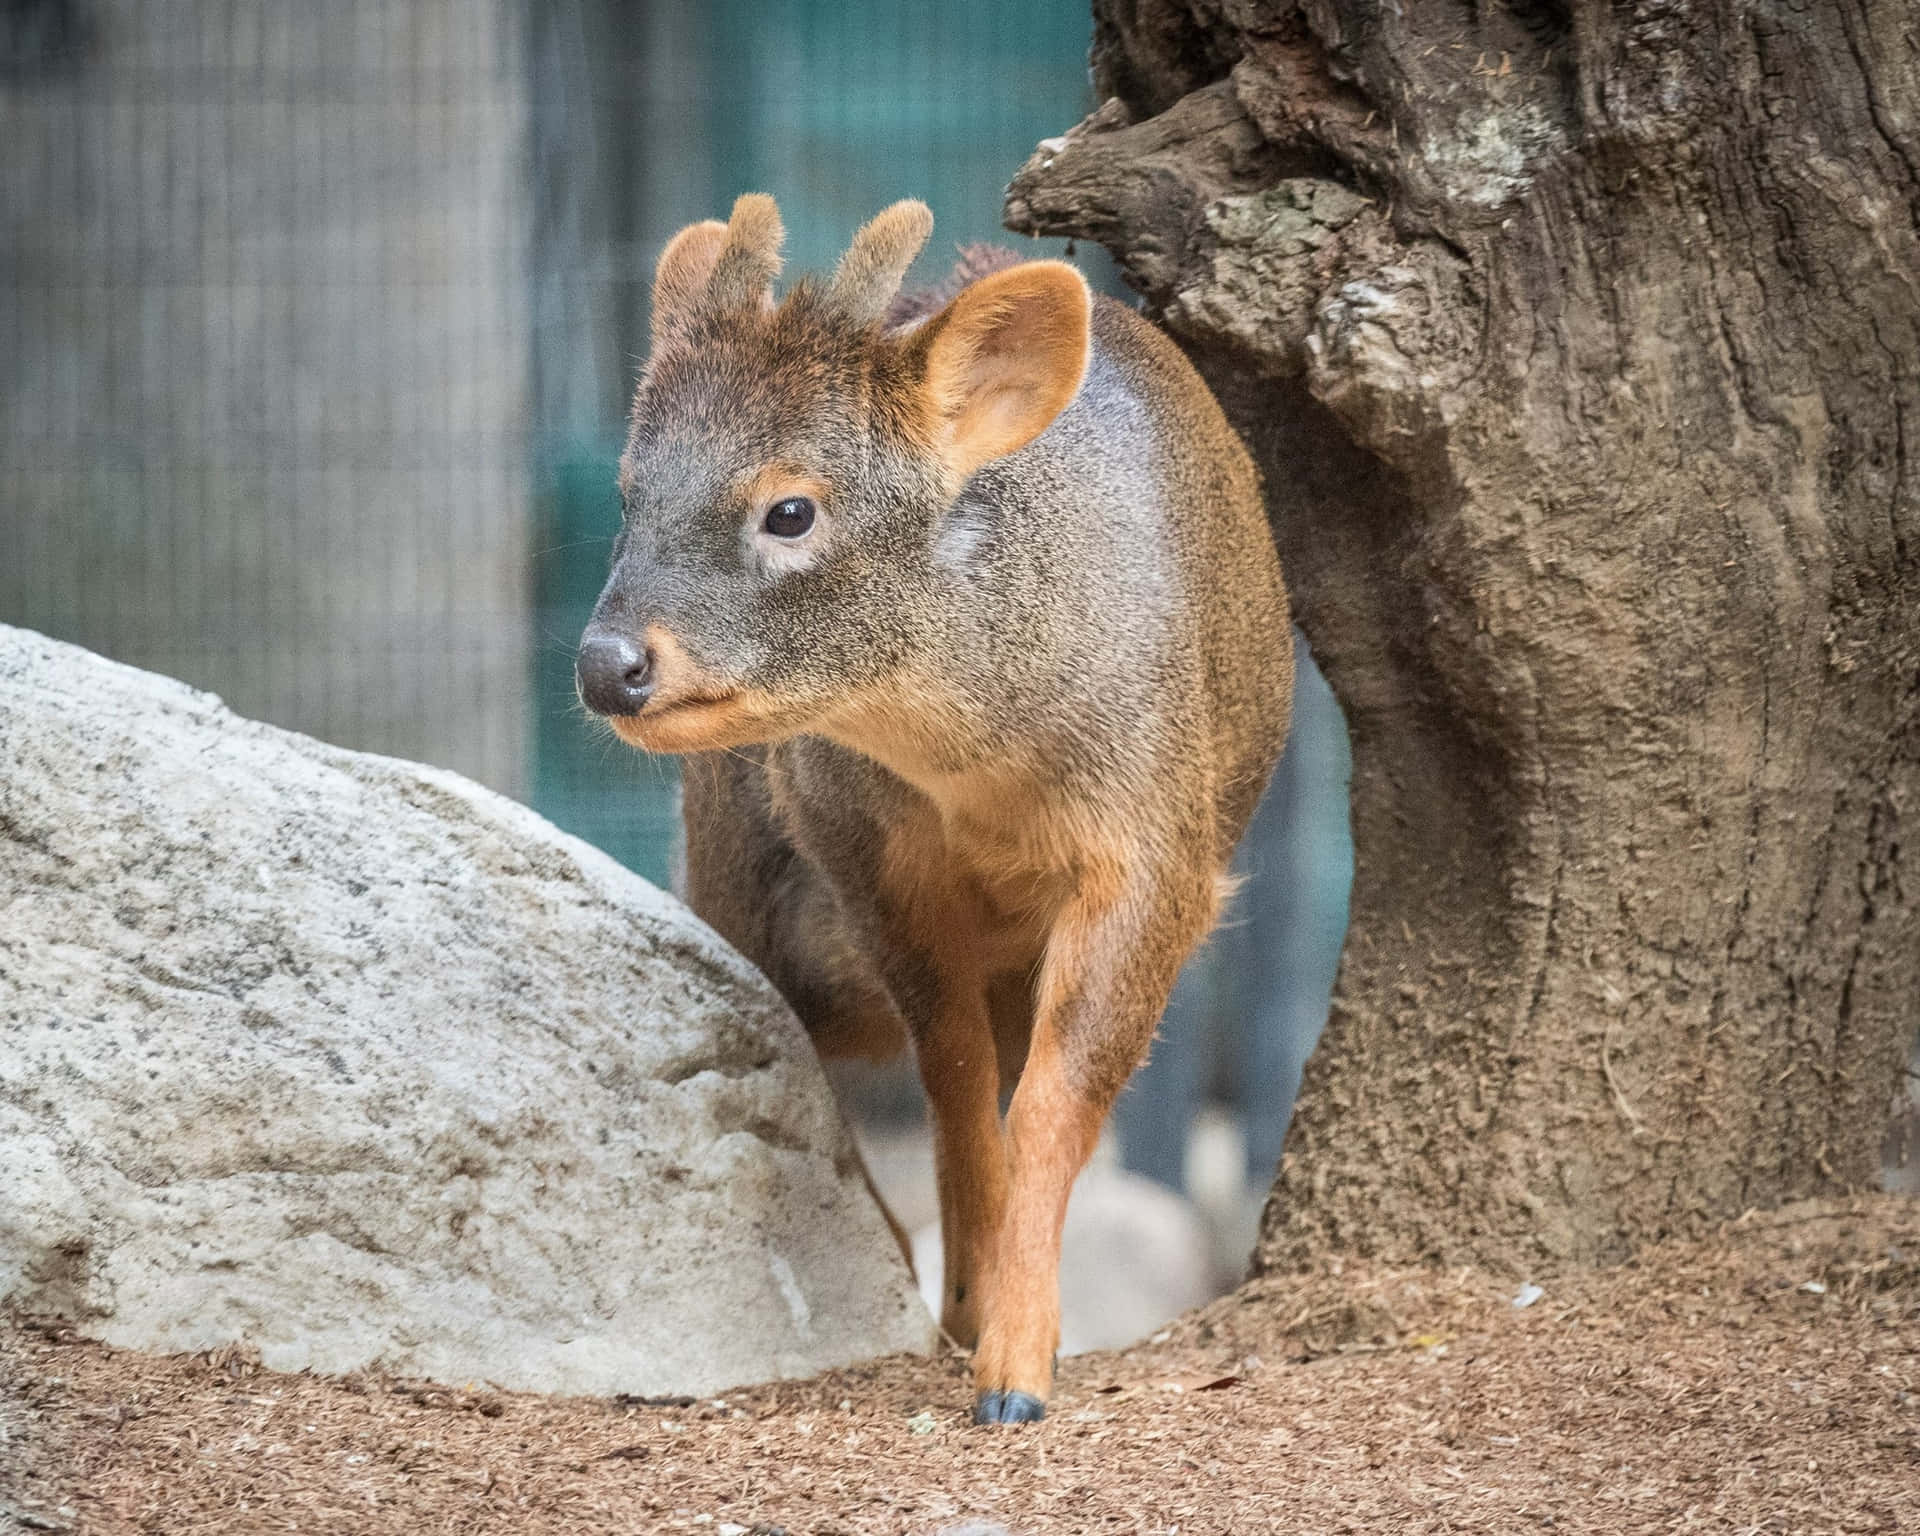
(358, 1062)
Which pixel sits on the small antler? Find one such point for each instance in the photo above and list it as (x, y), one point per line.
(869, 275)
(749, 261)
(680, 276)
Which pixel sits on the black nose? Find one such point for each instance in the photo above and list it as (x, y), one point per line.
(615, 675)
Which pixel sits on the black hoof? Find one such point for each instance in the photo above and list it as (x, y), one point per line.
(1008, 1408)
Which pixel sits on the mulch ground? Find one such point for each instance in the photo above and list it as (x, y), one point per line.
(1768, 1380)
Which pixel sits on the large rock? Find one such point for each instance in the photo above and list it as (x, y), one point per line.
(361, 1063)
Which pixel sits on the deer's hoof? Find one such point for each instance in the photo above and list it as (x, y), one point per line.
(1008, 1408)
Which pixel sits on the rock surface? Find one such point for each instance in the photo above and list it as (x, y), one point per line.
(360, 1063)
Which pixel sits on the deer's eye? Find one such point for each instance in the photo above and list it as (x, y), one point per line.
(790, 518)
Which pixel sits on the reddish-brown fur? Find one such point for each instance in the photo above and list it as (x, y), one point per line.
(971, 755)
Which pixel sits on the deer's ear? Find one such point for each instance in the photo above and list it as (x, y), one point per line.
(1003, 359)
(680, 276)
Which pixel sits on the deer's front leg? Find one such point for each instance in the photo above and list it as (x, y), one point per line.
(1108, 968)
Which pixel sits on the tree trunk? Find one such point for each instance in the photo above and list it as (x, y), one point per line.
(1579, 346)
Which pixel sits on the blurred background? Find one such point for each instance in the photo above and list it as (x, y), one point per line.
(318, 325)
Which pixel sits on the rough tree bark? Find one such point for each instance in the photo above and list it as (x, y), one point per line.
(1579, 344)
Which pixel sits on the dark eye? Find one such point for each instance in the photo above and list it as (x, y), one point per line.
(790, 518)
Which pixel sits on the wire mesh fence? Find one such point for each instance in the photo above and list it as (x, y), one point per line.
(263, 359)
(320, 317)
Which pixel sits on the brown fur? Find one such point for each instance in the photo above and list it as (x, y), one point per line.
(749, 258)
(680, 276)
(1001, 360)
(869, 274)
(971, 757)
(976, 261)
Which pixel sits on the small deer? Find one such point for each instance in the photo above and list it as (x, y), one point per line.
(967, 614)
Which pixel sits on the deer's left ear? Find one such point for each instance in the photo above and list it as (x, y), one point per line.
(1003, 359)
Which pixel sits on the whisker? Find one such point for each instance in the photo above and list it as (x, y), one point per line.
(554, 549)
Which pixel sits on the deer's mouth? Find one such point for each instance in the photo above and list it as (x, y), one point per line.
(661, 708)
(692, 722)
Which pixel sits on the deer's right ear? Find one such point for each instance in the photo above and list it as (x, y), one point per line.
(680, 276)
